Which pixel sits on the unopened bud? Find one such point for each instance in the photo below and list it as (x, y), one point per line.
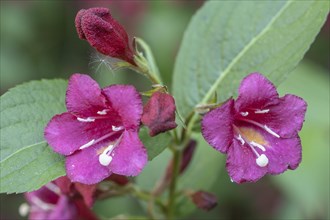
(159, 113)
(204, 200)
(104, 33)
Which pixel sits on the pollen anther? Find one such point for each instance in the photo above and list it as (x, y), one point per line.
(114, 128)
(239, 137)
(259, 111)
(244, 113)
(103, 112)
(89, 119)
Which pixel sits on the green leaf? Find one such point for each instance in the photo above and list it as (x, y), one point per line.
(226, 40)
(154, 145)
(26, 161)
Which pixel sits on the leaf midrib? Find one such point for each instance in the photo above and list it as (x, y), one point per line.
(234, 61)
(21, 149)
(242, 52)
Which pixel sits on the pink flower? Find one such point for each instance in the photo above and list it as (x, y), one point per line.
(99, 133)
(58, 200)
(258, 131)
(104, 33)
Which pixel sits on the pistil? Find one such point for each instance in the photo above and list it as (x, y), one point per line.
(262, 159)
(106, 156)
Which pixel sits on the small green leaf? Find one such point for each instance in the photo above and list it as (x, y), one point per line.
(226, 40)
(26, 161)
(154, 145)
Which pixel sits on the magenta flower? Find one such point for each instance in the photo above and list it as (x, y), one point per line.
(104, 33)
(99, 133)
(258, 131)
(57, 200)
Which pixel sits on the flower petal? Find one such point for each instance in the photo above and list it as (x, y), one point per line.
(130, 156)
(44, 194)
(217, 126)
(84, 97)
(255, 92)
(65, 134)
(87, 192)
(64, 209)
(241, 164)
(287, 117)
(84, 166)
(283, 154)
(126, 101)
(64, 183)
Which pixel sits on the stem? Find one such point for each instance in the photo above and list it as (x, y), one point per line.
(147, 66)
(150, 57)
(172, 193)
(147, 74)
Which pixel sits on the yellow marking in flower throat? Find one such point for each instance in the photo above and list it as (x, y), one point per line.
(252, 135)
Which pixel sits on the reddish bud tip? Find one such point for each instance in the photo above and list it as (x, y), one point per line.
(104, 33)
(159, 113)
(204, 200)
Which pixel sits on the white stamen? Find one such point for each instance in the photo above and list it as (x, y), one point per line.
(258, 145)
(52, 187)
(262, 160)
(244, 113)
(231, 180)
(105, 159)
(261, 126)
(271, 131)
(89, 119)
(114, 128)
(24, 209)
(87, 144)
(103, 112)
(239, 137)
(41, 204)
(259, 111)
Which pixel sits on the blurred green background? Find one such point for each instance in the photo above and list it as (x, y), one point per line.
(38, 40)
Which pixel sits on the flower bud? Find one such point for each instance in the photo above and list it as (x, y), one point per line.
(204, 200)
(105, 34)
(159, 113)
